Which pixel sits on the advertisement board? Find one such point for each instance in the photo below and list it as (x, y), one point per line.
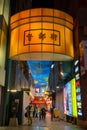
(74, 104)
(64, 98)
(78, 84)
(69, 99)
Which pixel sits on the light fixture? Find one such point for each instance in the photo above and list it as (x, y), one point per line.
(52, 66)
(53, 91)
(76, 62)
(41, 34)
(62, 73)
(12, 90)
(57, 87)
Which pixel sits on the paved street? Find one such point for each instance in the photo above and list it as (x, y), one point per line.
(45, 125)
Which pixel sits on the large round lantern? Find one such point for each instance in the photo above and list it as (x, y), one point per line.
(41, 34)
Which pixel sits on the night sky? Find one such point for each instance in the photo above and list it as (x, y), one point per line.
(69, 6)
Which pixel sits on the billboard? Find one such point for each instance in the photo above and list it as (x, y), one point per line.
(69, 99)
(64, 99)
(74, 103)
(78, 84)
(70, 102)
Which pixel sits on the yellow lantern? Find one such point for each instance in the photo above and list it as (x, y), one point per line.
(41, 34)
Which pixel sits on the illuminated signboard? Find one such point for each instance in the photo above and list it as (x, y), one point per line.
(78, 97)
(42, 90)
(77, 76)
(69, 99)
(64, 99)
(37, 90)
(78, 90)
(77, 83)
(74, 104)
(76, 69)
(79, 104)
(39, 94)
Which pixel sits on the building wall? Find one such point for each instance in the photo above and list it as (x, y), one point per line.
(84, 95)
(59, 104)
(4, 21)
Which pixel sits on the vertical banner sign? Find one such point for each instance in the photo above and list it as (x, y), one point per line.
(78, 90)
(74, 105)
(65, 100)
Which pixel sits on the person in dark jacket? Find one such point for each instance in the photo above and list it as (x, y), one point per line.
(43, 113)
(52, 113)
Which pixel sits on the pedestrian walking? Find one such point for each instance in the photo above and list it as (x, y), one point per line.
(43, 113)
(52, 113)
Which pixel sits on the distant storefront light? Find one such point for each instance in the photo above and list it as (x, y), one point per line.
(12, 90)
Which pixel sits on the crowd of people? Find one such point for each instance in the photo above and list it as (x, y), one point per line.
(36, 112)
